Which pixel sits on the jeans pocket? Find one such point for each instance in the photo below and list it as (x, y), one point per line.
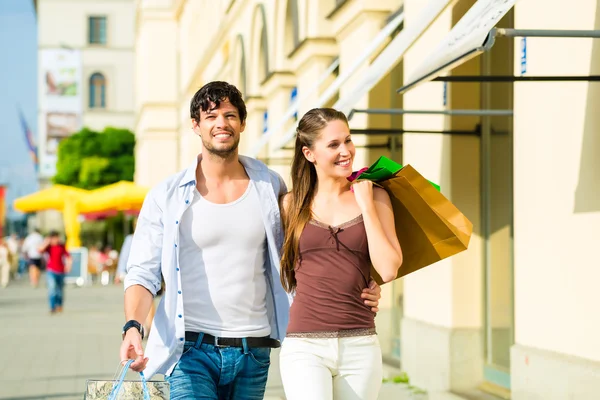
(187, 347)
(261, 356)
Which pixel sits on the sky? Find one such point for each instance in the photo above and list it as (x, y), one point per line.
(18, 88)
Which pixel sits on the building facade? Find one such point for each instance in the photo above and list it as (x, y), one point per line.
(515, 314)
(85, 75)
(85, 59)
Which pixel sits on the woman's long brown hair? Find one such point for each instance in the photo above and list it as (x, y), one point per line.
(304, 183)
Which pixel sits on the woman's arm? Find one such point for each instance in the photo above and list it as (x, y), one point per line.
(378, 217)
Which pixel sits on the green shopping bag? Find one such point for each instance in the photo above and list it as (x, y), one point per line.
(382, 169)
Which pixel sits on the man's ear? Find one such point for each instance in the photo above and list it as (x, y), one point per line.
(308, 154)
(243, 126)
(195, 126)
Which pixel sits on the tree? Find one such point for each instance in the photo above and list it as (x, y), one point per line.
(89, 159)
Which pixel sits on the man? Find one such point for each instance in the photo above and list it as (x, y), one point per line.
(214, 233)
(59, 264)
(31, 249)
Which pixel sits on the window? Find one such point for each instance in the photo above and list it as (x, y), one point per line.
(97, 30)
(97, 91)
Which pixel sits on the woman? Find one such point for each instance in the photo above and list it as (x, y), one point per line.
(335, 231)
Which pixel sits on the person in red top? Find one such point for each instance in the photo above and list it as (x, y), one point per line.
(58, 264)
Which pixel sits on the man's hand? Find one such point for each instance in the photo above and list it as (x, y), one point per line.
(372, 294)
(131, 349)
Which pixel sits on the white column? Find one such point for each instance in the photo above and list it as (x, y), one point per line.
(156, 94)
(441, 332)
(557, 208)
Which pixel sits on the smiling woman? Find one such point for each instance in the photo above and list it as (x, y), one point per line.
(333, 235)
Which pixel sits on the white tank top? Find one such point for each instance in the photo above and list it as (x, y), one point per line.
(222, 261)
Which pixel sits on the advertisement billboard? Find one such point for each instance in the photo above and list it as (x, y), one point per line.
(61, 102)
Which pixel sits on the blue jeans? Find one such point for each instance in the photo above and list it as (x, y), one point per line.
(56, 284)
(205, 371)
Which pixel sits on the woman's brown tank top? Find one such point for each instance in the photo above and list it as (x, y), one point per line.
(332, 270)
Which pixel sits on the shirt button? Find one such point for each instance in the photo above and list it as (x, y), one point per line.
(175, 244)
(179, 291)
(177, 269)
(176, 222)
(181, 339)
(179, 315)
(187, 202)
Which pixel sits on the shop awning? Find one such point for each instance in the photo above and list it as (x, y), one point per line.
(386, 60)
(120, 196)
(52, 198)
(471, 36)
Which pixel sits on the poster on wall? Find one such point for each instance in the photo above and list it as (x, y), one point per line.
(61, 103)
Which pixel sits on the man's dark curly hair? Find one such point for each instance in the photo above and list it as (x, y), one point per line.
(215, 92)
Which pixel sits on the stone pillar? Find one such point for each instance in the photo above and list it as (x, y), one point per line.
(277, 89)
(156, 93)
(355, 25)
(442, 343)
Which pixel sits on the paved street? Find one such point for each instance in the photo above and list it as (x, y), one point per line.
(45, 356)
(50, 357)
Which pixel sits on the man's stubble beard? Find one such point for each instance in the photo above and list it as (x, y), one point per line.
(222, 153)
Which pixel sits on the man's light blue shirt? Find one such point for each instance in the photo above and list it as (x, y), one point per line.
(155, 252)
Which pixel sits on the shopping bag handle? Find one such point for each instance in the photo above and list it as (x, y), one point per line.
(117, 387)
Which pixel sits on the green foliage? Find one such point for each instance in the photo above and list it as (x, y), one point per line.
(92, 170)
(90, 159)
(402, 378)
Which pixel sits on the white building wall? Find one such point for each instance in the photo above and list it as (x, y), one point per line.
(557, 185)
(64, 24)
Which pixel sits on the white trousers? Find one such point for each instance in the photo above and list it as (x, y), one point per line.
(347, 368)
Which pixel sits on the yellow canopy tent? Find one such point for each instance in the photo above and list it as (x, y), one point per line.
(120, 196)
(61, 198)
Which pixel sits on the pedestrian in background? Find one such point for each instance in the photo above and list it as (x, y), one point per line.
(12, 242)
(59, 264)
(31, 249)
(4, 263)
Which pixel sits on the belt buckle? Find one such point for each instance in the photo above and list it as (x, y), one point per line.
(217, 344)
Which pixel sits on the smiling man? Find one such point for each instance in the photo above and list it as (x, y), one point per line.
(213, 232)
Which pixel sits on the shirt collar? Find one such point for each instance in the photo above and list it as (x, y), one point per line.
(189, 176)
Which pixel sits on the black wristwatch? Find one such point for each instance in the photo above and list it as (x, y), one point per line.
(133, 324)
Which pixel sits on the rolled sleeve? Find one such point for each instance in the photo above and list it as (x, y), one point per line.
(144, 263)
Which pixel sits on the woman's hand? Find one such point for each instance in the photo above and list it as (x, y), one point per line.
(363, 192)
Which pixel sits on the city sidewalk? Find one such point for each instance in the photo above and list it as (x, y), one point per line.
(47, 356)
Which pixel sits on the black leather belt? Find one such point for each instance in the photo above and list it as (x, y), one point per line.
(233, 342)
